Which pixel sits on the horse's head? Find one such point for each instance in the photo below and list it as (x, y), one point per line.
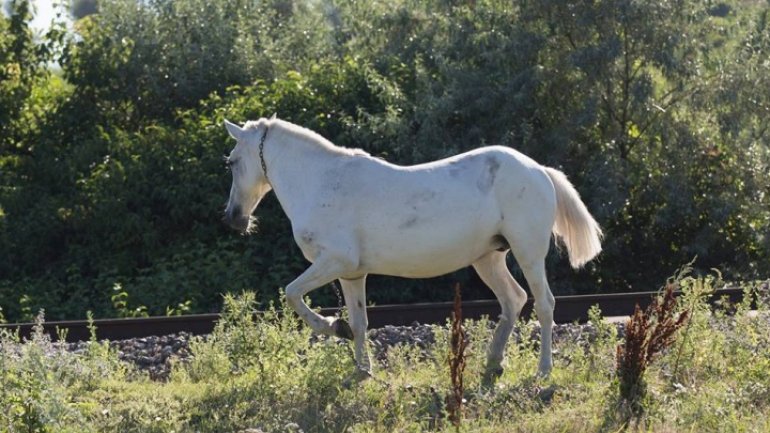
(250, 182)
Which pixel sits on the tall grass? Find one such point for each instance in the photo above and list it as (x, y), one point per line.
(267, 372)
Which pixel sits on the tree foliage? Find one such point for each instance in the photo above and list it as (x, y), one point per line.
(111, 172)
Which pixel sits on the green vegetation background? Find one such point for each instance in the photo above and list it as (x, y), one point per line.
(111, 177)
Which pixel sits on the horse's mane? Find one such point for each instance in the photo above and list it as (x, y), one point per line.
(304, 135)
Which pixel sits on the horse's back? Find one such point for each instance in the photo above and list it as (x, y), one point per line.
(487, 176)
(453, 187)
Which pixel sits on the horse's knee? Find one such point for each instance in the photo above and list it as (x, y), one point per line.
(293, 298)
(544, 309)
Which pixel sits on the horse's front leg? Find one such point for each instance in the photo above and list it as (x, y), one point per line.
(355, 299)
(323, 271)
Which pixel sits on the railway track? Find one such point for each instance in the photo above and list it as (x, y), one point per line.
(568, 309)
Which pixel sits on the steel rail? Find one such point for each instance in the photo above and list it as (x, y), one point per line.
(568, 309)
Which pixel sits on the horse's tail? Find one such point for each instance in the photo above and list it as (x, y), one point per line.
(577, 229)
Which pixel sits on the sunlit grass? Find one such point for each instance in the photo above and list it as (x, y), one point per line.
(268, 373)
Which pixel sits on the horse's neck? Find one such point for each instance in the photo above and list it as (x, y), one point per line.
(296, 170)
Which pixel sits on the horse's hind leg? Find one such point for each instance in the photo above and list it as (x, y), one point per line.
(531, 259)
(494, 272)
(355, 299)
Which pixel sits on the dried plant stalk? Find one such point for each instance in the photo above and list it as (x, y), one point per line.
(648, 334)
(457, 361)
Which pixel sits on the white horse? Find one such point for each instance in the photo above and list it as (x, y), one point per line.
(354, 215)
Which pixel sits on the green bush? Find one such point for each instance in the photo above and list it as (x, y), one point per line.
(111, 172)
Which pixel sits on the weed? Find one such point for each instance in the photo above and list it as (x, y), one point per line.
(120, 303)
(648, 333)
(457, 362)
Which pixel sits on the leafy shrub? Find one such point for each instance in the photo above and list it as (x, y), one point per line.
(111, 170)
(39, 382)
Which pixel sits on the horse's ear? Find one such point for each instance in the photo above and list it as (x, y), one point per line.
(274, 116)
(235, 131)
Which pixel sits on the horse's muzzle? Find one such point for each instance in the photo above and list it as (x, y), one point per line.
(236, 219)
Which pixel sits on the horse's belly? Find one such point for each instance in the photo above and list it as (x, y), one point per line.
(421, 270)
(430, 258)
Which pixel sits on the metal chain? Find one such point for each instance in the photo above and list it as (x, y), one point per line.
(262, 152)
(340, 301)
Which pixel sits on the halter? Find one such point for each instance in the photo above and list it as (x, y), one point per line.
(262, 151)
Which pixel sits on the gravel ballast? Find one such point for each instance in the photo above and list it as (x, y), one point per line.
(155, 354)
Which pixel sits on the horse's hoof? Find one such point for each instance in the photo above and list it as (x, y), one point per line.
(356, 377)
(546, 394)
(490, 377)
(342, 329)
